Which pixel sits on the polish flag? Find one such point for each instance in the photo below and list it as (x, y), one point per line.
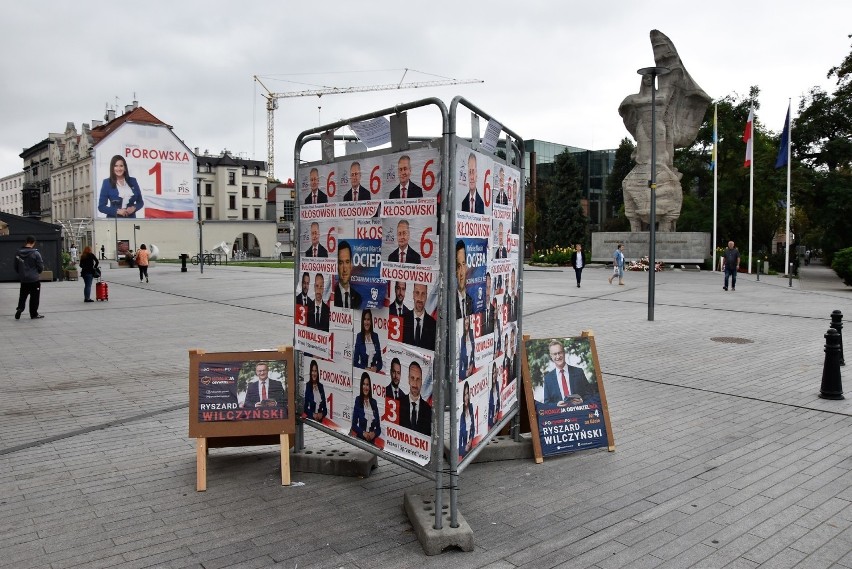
(749, 139)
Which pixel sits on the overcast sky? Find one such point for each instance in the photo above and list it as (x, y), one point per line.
(552, 70)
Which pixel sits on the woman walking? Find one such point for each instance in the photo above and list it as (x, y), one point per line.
(618, 264)
(88, 270)
(142, 262)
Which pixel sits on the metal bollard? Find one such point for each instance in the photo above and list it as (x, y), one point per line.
(758, 270)
(832, 387)
(790, 274)
(837, 324)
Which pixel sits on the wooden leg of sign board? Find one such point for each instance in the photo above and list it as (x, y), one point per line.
(526, 379)
(201, 464)
(599, 378)
(285, 460)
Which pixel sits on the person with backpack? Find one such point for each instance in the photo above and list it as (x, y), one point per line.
(29, 266)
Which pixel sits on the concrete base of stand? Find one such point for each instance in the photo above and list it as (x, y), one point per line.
(421, 513)
(350, 462)
(505, 448)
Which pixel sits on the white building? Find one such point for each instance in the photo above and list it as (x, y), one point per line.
(10, 194)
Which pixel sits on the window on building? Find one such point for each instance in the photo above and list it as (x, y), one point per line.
(245, 191)
(232, 202)
(198, 188)
(257, 171)
(232, 178)
(245, 213)
(289, 210)
(208, 212)
(257, 191)
(257, 213)
(208, 189)
(245, 170)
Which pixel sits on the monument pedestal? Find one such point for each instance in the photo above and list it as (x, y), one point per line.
(671, 247)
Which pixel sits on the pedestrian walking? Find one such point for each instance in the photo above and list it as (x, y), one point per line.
(29, 265)
(578, 261)
(89, 270)
(618, 264)
(142, 262)
(73, 252)
(103, 252)
(732, 263)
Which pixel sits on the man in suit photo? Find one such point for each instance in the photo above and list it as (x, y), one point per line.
(564, 385)
(316, 195)
(472, 201)
(394, 389)
(419, 327)
(406, 188)
(303, 297)
(398, 307)
(403, 253)
(318, 318)
(261, 388)
(488, 314)
(357, 192)
(502, 197)
(501, 252)
(344, 295)
(464, 302)
(415, 412)
(316, 249)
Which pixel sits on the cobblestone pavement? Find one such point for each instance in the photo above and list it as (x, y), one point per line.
(725, 456)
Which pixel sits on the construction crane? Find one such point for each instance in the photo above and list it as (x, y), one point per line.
(272, 103)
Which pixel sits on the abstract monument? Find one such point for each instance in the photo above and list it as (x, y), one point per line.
(681, 104)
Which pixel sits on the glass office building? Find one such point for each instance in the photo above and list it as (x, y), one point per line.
(595, 165)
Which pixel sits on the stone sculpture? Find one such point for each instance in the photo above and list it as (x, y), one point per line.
(681, 105)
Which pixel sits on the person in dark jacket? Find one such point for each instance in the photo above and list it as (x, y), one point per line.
(88, 270)
(29, 265)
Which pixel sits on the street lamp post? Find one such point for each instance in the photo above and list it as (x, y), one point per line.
(200, 235)
(653, 73)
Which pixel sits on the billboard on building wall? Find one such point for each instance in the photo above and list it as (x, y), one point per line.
(143, 171)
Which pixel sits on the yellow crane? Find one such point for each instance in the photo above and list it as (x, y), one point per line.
(272, 103)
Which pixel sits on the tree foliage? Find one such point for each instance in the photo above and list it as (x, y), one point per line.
(622, 165)
(561, 218)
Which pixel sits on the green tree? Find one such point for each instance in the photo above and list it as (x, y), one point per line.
(621, 166)
(561, 217)
(822, 139)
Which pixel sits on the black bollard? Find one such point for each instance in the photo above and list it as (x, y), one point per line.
(183, 258)
(790, 274)
(758, 270)
(831, 388)
(837, 324)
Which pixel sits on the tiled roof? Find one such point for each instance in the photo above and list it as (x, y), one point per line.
(137, 115)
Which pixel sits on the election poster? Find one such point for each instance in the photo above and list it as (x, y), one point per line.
(366, 312)
(143, 171)
(566, 395)
(241, 393)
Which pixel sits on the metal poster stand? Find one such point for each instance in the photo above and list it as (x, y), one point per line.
(426, 514)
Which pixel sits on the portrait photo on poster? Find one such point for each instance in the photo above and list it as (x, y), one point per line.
(567, 394)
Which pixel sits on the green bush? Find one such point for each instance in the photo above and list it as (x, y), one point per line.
(554, 256)
(842, 265)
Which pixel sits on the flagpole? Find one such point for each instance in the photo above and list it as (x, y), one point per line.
(789, 160)
(751, 192)
(715, 181)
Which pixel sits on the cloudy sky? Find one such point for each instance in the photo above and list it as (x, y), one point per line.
(552, 70)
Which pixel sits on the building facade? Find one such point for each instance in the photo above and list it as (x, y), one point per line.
(11, 199)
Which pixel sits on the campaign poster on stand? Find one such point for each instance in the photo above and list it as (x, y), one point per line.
(143, 171)
(568, 395)
(241, 393)
(376, 219)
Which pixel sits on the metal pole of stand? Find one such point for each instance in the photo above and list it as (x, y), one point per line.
(790, 274)
(832, 387)
(837, 324)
